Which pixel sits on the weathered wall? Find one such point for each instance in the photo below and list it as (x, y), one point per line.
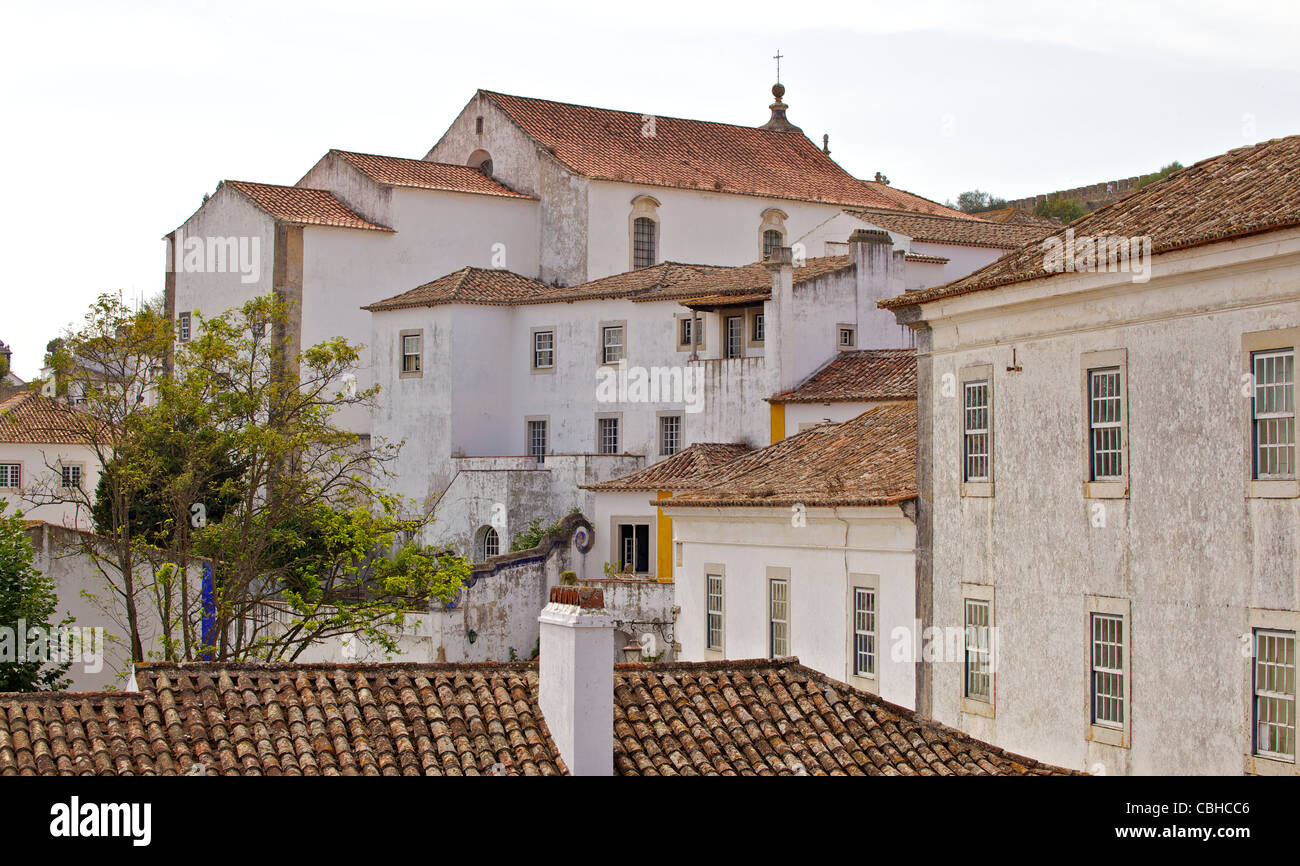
(1188, 548)
(40, 478)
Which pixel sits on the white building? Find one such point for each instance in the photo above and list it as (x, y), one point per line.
(48, 470)
(805, 548)
(1107, 480)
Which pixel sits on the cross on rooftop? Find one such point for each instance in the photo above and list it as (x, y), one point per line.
(777, 57)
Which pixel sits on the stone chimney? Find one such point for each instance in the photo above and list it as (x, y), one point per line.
(879, 274)
(781, 346)
(576, 678)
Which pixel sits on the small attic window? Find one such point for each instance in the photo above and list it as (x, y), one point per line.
(478, 124)
(481, 160)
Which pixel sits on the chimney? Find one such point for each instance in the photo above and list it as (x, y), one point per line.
(781, 346)
(879, 275)
(576, 678)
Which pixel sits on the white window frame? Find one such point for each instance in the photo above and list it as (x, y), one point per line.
(979, 647)
(1264, 762)
(1108, 362)
(779, 632)
(617, 419)
(536, 351)
(840, 330)
(1099, 611)
(1279, 688)
(65, 469)
(530, 439)
(1256, 343)
(618, 556)
(733, 345)
(12, 471)
(184, 327)
(404, 352)
(715, 605)
(696, 323)
(663, 423)
(973, 377)
(481, 545)
(1273, 376)
(857, 628)
(756, 328)
(606, 345)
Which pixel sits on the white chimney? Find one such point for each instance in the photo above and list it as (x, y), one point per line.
(576, 678)
(780, 345)
(880, 271)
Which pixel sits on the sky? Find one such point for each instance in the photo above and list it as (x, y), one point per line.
(118, 117)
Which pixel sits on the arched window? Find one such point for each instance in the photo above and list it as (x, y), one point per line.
(481, 160)
(771, 231)
(771, 242)
(488, 544)
(645, 231)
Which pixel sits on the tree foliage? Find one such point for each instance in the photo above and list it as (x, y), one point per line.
(974, 201)
(1164, 172)
(26, 596)
(1066, 210)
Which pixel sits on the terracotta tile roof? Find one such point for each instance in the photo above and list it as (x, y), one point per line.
(423, 174)
(771, 717)
(694, 154)
(870, 460)
(302, 206)
(677, 472)
(926, 260)
(865, 375)
(761, 717)
(249, 719)
(483, 286)
(32, 418)
(1242, 192)
(969, 232)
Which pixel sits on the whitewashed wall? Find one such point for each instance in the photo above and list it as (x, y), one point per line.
(41, 477)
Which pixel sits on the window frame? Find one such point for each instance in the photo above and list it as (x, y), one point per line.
(772, 219)
(402, 354)
(1120, 735)
(1284, 621)
(1252, 344)
(605, 345)
(480, 542)
(739, 336)
(756, 327)
(1110, 487)
(660, 420)
(72, 466)
(185, 326)
(616, 554)
(981, 594)
(545, 421)
(617, 418)
(982, 487)
(697, 321)
(533, 350)
(779, 577)
(858, 582)
(840, 330)
(19, 468)
(719, 571)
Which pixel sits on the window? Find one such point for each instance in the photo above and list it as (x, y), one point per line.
(607, 435)
(778, 598)
(864, 631)
(735, 336)
(1105, 404)
(848, 336)
(183, 327)
(1108, 670)
(478, 125)
(670, 434)
(713, 612)
(644, 237)
(633, 552)
(613, 347)
(543, 350)
(758, 332)
(978, 655)
(690, 333)
(411, 353)
(975, 413)
(684, 335)
(537, 439)
(70, 477)
(1274, 690)
(489, 544)
(771, 241)
(11, 475)
(1273, 414)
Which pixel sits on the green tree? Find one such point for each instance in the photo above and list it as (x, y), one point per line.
(974, 201)
(1148, 179)
(26, 595)
(1066, 210)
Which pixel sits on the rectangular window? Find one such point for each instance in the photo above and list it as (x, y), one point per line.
(1108, 670)
(690, 333)
(612, 344)
(864, 631)
(759, 329)
(70, 477)
(411, 353)
(634, 548)
(735, 336)
(848, 337)
(537, 440)
(685, 336)
(543, 350)
(1275, 694)
(11, 475)
(607, 435)
(644, 230)
(183, 327)
(976, 430)
(1105, 406)
(670, 434)
(1273, 414)
(979, 671)
(778, 617)
(713, 607)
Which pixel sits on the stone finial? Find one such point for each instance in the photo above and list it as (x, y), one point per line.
(778, 120)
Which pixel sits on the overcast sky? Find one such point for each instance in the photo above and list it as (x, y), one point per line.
(119, 116)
